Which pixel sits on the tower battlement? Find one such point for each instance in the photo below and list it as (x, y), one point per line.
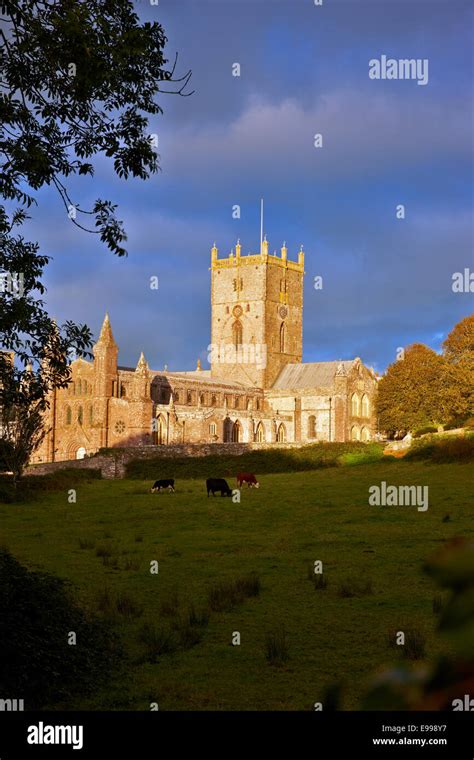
(237, 259)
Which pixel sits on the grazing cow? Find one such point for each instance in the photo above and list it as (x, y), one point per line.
(218, 484)
(249, 478)
(162, 485)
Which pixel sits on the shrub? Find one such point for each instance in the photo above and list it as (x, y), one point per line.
(443, 450)
(424, 430)
(31, 486)
(371, 452)
(310, 457)
(276, 646)
(454, 424)
(36, 612)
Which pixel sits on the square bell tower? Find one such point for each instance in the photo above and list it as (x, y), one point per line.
(257, 315)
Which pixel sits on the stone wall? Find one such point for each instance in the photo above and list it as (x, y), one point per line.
(113, 465)
(108, 465)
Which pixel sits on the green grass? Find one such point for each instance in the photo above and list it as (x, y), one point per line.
(226, 567)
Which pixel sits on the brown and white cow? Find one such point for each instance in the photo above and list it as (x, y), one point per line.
(249, 478)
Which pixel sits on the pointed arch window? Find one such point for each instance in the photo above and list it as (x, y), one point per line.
(80, 415)
(237, 333)
(365, 405)
(236, 432)
(68, 415)
(355, 433)
(355, 405)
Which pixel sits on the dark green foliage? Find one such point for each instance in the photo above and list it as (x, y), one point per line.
(268, 461)
(36, 661)
(442, 449)
(33, 486)
(79, 80)
(423, 430)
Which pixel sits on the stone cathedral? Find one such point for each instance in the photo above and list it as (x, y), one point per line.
(257, 389)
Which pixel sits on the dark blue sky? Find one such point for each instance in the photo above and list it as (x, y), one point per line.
(304, 70)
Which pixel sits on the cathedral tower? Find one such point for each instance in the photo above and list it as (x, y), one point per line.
(257, 315)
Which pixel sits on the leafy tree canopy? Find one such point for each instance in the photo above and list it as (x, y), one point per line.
(77, 80)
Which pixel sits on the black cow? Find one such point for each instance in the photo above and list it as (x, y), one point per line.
(161, 485)
(218, 484)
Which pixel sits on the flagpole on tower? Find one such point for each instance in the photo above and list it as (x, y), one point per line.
(261, 225)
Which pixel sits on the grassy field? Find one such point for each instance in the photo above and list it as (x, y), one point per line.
(174, 625)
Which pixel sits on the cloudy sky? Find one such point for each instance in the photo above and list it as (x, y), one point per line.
(304, 70)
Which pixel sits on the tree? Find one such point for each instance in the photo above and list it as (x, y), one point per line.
(410, 394)
(24, 391)
(77, 79)
(458, 350)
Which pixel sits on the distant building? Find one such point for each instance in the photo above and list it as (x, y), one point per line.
(257, 390)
